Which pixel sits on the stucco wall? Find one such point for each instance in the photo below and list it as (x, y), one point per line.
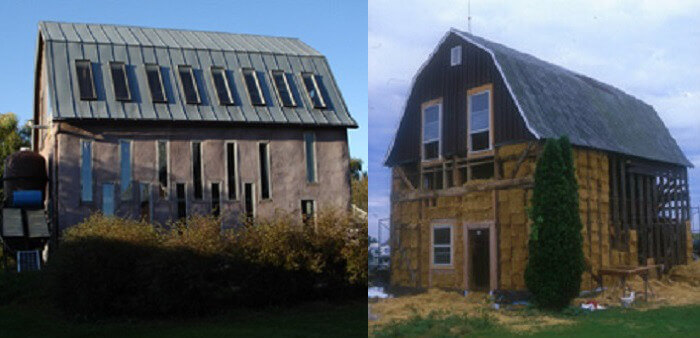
(287, 169)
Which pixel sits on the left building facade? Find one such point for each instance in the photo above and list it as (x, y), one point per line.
(160, 124)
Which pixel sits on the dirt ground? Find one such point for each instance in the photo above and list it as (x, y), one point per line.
(681, 286)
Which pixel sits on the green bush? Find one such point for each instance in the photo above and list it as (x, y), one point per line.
(115, 267)
(556, 261)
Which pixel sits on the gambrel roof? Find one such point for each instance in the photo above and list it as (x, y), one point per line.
(64, 43)
(554, 101)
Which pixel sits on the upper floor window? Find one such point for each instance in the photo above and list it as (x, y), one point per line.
(313, 89)
(432, 117)
(155, 83)
(456, 56)
(479, 120)
(86, 82)
(223, 91)
(189, 84)
(125, 168)
(86, 171)
(253, 85)
(283, 89)
(120, 81)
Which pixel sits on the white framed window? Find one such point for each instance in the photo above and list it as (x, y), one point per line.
(252, 83)
(432, 130)
(86, 171)
(313, 86)
(284, 91)
(442, 245)
(456, 56)
(479, 120)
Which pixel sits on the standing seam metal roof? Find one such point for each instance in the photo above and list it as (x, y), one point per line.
(136, 46)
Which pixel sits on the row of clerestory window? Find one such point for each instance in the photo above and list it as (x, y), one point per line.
(189, 83)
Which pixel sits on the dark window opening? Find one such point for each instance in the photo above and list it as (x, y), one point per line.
(120, 81)
(463, 175)
(155, 83)
(253, 86)
(163, 166)
(307, 212)
(283, 89)
(432, 180)
(263, 151)
(480, 141)
(248, 191)
(313, 89)
(86, 82)
(215, 200)
(221, 84)
(189, 84)
(309, 140)
(145, 201)
(181, 200)
(431, 150)
(231, 170)
(197, 169)
(482, 171)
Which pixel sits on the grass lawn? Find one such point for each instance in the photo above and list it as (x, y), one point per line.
(663, 322)
(310, 320)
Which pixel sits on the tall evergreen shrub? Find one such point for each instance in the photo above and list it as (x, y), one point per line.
(556, 260)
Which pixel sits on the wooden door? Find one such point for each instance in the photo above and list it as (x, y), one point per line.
(479, 253)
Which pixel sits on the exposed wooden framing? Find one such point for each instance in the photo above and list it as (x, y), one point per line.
(615, 202)
(525, 182)
(649, 205)
(521, 158)
(633, 202)
(623, 193)
(405, 179)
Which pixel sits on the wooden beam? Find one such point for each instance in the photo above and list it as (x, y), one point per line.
(405, 179)
(615, 202)
(525, 183)
(623, 195)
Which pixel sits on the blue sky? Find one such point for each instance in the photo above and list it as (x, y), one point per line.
(337, 29)
(647, 48)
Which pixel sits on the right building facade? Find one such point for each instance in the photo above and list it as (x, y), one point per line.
(463, 162)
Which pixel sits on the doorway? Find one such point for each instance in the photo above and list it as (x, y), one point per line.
(479, 256)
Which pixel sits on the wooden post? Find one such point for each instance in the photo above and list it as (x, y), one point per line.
(615, 214)
(623, 193)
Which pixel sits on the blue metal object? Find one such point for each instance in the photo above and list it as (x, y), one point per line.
(26, 198)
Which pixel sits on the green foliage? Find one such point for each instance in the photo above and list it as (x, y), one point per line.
(108, 266)
(556, 260)
(359, 192)
(442, 324)
(11, 139)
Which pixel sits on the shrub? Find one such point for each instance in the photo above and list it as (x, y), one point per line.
(556, 261)
(114, 267)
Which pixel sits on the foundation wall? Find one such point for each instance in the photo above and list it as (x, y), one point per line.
(506, 205)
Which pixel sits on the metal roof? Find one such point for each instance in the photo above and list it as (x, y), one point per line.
(555, 101)
(137, 46)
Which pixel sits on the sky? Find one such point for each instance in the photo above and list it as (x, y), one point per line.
(337, 29)
(649, 49)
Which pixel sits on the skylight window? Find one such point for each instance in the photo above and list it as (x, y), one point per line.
(120, 81)
(313, 89)
(189, 84)
(223, 91)
(253, 86)
(86, 83)
(155, 83)
(283, 89)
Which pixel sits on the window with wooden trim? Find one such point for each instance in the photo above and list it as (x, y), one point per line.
(86, 81)
(86, 171)
(155, 83)
(264, 157)
(310, 151)
(231, 170)
(189, 84)
(442, 245)
(221, 85)
(479, 114)
(163, 167)
(125, 169)
(283, 88)
(197, 169)
(314, 88)
(456, 56)
(252, 84)
(120, 81)
(432, 131)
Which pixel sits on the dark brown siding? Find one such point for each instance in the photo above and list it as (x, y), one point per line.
(439, 79)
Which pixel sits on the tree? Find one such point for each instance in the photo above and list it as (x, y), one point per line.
(556, 260)
(356, 168)
(10, 139)
(358, 184)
